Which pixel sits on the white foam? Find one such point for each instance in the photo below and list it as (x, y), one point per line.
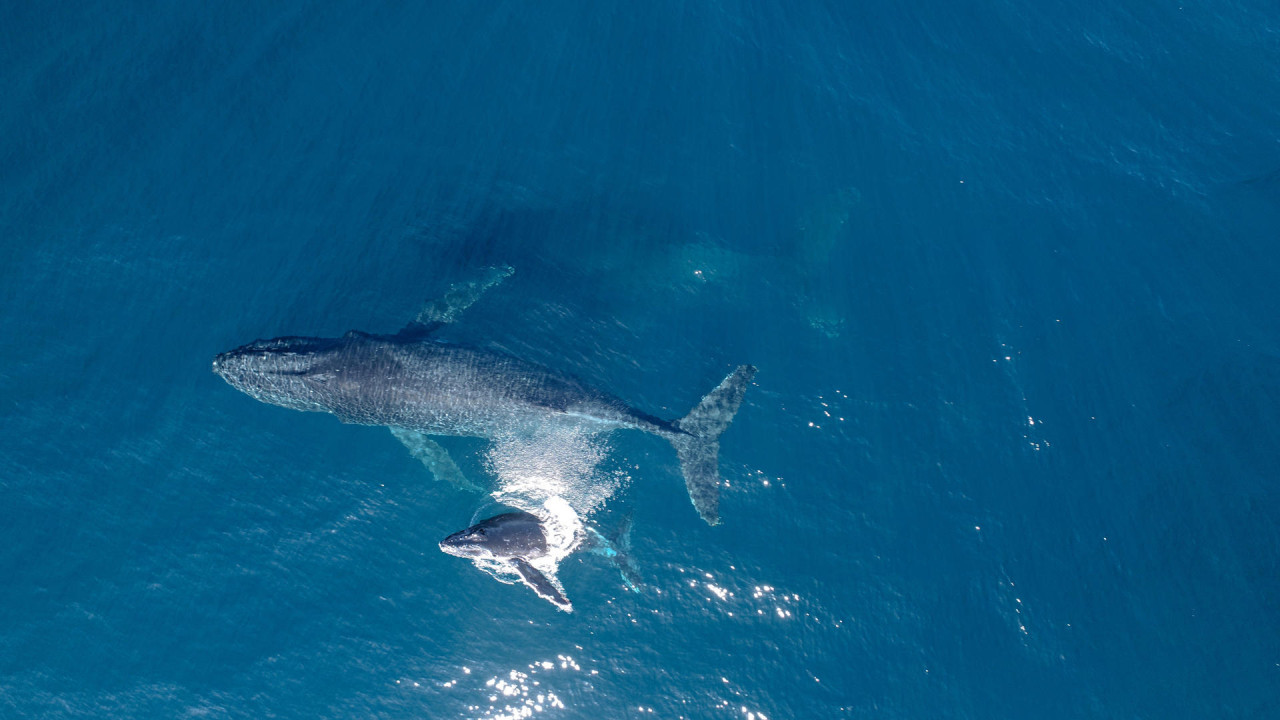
(552, 473)
(552, 462)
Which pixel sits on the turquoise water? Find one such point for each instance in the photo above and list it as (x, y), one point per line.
(1008, 272)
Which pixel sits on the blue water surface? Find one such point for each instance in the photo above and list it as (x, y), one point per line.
(1009, 272)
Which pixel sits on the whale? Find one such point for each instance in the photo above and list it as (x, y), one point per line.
(414, 382)
(529, 546)
(515, 540)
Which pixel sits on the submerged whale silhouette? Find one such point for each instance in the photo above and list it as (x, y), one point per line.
(412, 381)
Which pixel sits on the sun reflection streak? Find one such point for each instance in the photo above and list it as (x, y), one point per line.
(519, 692)
(740, 599)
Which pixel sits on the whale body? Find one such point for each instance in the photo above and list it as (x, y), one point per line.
(415, 382)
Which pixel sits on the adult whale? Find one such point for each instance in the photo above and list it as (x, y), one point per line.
(412, 381)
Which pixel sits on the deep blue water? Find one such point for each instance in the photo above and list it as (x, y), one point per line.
(1009, 272)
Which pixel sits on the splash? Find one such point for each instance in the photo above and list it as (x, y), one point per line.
(553, 473)
(552, 462)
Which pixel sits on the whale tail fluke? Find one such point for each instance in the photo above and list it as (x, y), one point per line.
(617, 548)
(698, 445)
(622, 555)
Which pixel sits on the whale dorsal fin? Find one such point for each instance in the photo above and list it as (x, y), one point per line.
(418, 330)
(541, 584)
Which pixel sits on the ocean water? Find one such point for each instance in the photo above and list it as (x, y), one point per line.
(1009, 273)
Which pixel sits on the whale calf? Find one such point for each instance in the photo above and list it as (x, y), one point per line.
(412, 381)
(530, 545)
(516, 540)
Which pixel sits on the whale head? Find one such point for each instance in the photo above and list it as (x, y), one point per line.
(510, 535)
(293, 372)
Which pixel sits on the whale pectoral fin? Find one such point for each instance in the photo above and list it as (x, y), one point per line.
(460, 296)
(541, 584)
(435, 457)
